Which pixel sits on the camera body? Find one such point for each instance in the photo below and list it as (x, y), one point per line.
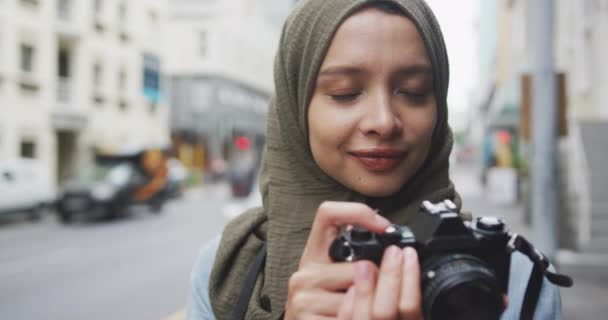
(464, 265)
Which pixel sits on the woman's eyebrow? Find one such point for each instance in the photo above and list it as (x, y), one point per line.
(414, 70)
(341, 71)
(402, 72)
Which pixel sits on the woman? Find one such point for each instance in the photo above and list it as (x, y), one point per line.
(357, 134)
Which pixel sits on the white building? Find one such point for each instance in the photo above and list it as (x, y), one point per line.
(580, 31)
(72, 78)
(220, 57)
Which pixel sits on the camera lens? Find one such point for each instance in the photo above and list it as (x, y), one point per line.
(460, 286)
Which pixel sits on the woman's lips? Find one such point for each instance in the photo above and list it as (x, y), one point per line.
(379, 160)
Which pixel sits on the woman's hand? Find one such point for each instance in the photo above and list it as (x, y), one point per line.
(392, 293)
(317, 289)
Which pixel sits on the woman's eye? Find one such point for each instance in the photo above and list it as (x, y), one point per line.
(345, 97)
(413, 95)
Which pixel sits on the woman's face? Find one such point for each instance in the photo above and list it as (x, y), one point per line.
(373, 111)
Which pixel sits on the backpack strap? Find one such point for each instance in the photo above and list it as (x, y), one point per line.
(241, 306)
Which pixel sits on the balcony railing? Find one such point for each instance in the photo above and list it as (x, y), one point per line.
(66, 114)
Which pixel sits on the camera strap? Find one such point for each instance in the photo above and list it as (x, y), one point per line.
(532, 294)
(240, 309)
(519, 243)
(539, 272)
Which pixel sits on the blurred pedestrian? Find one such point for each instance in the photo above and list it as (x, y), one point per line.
(357, 135)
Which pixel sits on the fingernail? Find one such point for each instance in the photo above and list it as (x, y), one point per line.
(392, 254)
(410, 256)
(363, 271)
(382, 222)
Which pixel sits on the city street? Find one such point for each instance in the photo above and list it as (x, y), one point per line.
(108, 103)
(136, 267)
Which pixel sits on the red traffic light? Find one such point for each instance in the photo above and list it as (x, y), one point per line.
(243, 143)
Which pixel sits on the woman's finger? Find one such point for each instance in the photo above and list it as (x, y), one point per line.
(318, 302)
(410, 302)
(386, 300)
(332, 277)
(329, 217)
(365, 283)
(348, 304)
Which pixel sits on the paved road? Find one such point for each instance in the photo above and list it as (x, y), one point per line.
(136, 267)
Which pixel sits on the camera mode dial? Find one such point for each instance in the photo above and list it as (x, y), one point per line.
(359, 234)
(490, 224)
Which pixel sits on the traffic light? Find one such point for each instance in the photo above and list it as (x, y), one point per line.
(242, 143)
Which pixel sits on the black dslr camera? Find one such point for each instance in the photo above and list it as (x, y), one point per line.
(464, 265)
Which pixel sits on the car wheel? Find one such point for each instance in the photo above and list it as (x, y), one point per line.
(65, 217)
(35, 213)
(157, 206)
(115, 211)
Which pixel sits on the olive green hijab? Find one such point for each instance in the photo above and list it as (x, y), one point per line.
(292, 184)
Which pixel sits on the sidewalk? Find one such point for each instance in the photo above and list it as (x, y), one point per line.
(587, 299)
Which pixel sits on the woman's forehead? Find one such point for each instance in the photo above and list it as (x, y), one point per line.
(371, 39)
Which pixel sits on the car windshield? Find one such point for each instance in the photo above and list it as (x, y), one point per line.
(115, 173)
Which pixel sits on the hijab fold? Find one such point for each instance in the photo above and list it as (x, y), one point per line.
(291, 183)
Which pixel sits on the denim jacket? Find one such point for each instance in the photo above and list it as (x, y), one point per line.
(547, 308)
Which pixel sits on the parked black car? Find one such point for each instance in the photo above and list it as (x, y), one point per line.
(113, 183)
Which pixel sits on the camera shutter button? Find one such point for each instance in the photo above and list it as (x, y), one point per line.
(491, 224)
(391, 236)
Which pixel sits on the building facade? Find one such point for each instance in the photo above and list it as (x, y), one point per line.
(76, 75)
(580, 43)
(220, 58)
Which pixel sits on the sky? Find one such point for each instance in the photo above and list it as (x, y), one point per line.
(457, 19)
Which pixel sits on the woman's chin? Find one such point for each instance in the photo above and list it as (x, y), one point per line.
(377, 190)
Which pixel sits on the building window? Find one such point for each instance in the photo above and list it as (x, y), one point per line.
(152, 19)
(122, 89)
(63, 9)
(1, 54)
(1, 147)
(98, 6)
(27, 57)
(97, 83)
(122, 21)
(122, 80)
(153, 27)
(63, 63)
(122, 12)
(97, 75)
(28, 149)
(97, 11)
(203, 46)
(151, 80)
(30, 3)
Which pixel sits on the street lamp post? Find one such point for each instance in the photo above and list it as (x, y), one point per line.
(544, 132)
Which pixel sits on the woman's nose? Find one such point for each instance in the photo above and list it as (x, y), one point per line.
(380, 119)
